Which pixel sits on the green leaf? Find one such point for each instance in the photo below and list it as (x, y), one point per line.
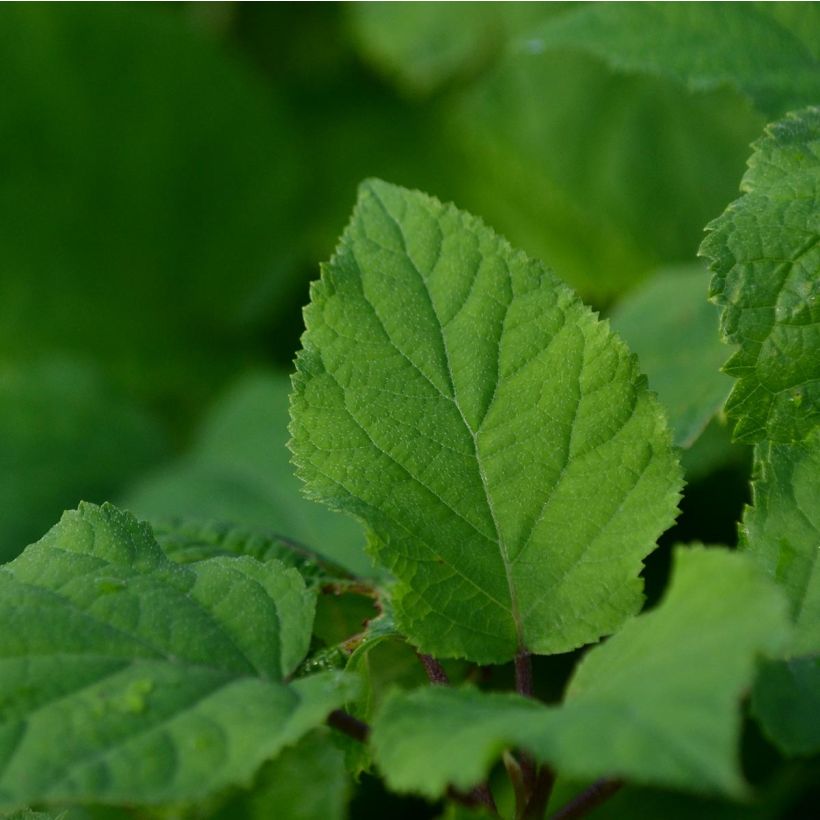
(458, 398)
(306, 782)
(786, 701)
(673, 330)
(765, 255)
(239, 471)
(701, 45)
(67, 435)
(186, 541)
(149, 681)
(664, 693)
(781, 530)
(146, 198)
(607, 176)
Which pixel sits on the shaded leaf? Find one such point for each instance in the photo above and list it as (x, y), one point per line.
(239, 471)
(673, 329)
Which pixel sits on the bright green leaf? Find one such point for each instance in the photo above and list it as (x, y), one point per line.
(67, 435)
(657, 703)
(496, 438)
(781, 529)
(786, 701)
(673, 329)
(148, 681)
(701, 45)
(239, 471)
(765, 255)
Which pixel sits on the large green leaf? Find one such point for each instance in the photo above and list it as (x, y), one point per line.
(781, 529)
(239, 472)
(673, 330)
(145, 197)
(67, 435)
(657, 703)
(765, 255)
(128, 678)
(496, 438)
(702, 45)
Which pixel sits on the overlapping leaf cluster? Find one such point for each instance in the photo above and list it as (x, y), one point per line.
(511, 465)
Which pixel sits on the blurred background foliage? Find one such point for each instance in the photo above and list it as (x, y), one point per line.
(173, 174)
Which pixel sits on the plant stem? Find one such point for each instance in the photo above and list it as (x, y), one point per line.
(599, 792)
(351, 726)
(524, 686)
(537, 804)
(435, 671)
(479, 796)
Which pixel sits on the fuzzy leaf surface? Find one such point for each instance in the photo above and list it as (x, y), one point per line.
(496, 438)
(781, 530)
(664, 693)
(128, 678)
(764, 251)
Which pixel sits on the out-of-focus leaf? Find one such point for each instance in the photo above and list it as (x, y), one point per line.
(308, 781)
(764, 252)
(66, 435)
(239, 471)
(786, 701)
(604, 175)
(144, 198)
(702, 45)
(670, 325)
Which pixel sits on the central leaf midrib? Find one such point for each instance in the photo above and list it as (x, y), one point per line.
(502, 547)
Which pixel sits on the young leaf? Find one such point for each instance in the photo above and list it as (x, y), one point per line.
(657, 703)
(781, 530)
(149, 681)
(703, 46)
(765, 256)
(497, 439)
(786, 701)
(673, 330)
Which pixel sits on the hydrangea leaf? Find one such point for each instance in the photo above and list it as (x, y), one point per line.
(765, 255)
(239, 471)
(673, 329)
(496, 438)
(781, 530)
(786, 702)
(664, 692)
(702, 46)
(148, 681)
